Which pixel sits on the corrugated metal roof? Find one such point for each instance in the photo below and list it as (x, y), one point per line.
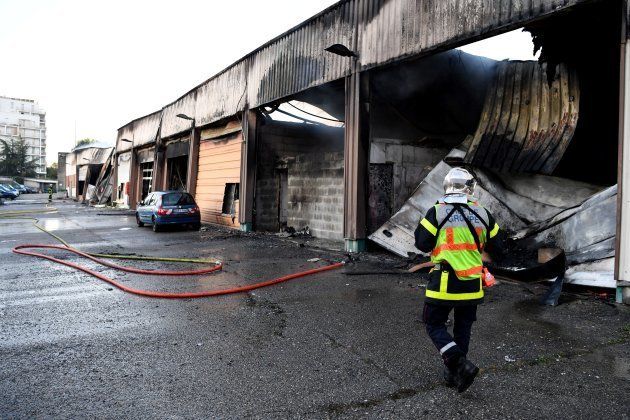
(379, 31)
(96, 144)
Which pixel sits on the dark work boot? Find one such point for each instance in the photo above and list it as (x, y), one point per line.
(449, 377)
(466, 372)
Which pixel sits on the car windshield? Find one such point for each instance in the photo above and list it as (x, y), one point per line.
(177, 199)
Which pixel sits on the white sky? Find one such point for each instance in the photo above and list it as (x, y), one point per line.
(104, 63)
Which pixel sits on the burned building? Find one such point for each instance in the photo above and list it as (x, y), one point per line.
(134, 159)
(84, 167)
(409, 105)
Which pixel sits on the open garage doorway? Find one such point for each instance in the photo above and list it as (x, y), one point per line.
(177, 168)
(299, 181)
(540, 134)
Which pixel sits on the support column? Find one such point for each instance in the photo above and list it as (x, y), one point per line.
(193, 161)
(114, 179)
(76, 180)
(622, 250)
(133, 180)
(159, 161)
(247, 185)
(356, 149)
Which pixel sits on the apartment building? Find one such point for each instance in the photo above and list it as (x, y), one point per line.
(25, 119)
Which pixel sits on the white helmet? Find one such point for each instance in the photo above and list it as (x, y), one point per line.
(459, 181)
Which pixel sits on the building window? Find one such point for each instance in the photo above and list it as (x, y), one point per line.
(147, 178)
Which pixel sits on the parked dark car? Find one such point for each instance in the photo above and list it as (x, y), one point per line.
(8, 192)
(16, 186)
(23, 189)
(162, 208)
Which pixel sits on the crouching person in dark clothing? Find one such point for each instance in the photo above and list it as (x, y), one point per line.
(455, 231)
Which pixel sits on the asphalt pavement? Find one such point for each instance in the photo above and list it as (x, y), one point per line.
(331, 345)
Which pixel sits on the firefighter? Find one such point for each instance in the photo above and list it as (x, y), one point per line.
(455, 230)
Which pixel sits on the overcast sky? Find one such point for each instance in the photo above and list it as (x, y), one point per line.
(103, 63)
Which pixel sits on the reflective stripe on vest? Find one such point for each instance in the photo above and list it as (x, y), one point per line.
(429, 226)
(443, 293)
(455, 243)
(494, 230)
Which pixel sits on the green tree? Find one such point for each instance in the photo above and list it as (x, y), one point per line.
(51, 171)
(14, 159)
(85, 141)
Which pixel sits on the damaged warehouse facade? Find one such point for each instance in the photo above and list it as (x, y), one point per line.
(88, 170)
(410, 106)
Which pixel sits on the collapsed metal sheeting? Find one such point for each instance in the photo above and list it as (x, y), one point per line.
(539, 211)
(516, 201)
(526, 124)
(397, 235)
(104, 184)
(586, 233)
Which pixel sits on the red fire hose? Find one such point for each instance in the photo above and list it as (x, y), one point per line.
(148, 293)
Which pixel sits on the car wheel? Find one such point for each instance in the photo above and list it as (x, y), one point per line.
(138, 221)
(196, 226)
(156, 227)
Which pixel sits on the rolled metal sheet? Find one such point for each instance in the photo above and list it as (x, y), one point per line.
(527, 123)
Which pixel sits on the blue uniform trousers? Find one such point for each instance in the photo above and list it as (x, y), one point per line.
(452, 348)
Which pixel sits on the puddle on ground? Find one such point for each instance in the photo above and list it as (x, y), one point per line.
(50, 224)
(531, 310)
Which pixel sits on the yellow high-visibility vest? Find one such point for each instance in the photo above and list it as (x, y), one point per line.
(456, 246)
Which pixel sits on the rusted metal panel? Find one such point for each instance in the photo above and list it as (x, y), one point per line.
(526, 124)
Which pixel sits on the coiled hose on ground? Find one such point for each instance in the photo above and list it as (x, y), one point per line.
(99, 259)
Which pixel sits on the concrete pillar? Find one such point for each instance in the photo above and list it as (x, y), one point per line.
(61, 170)
(622, 251)
(356, 154)
(133, 180)
(159, 164)
(193, 161)
(248, 170)
(114, 178)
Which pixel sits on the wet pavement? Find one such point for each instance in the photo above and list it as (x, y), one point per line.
(329, 345)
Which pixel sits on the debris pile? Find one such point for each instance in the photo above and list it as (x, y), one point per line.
(537, 211)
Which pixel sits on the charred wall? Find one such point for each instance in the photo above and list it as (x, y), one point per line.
(410, 163)
(299, 179)
(419, 111)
